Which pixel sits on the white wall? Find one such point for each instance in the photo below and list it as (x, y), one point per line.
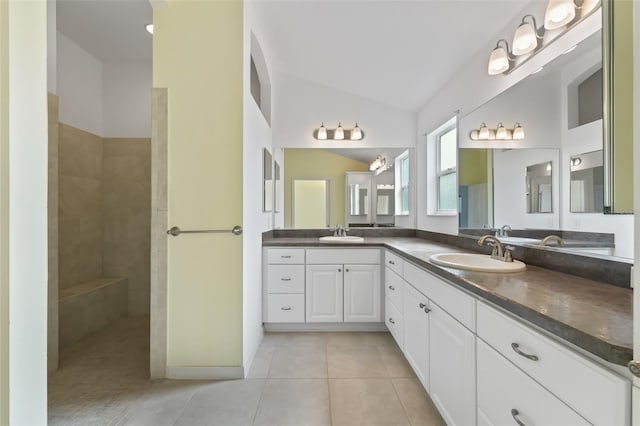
(471, 87)
(126, 92)
(257, 136)
(52, 59)
(28, 135)
(79, 87)
(300, 106)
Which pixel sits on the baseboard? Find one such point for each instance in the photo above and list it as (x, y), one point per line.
(205, 373)
(330, 326)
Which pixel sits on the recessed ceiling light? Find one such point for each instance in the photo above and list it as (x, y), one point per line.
(149, 28)
(571, 49)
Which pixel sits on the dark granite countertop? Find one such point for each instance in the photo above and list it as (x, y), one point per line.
(589, 314)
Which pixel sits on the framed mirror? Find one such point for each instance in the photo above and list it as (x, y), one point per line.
(539, 188)
(267, 181)
(586, 188)
(276, 187)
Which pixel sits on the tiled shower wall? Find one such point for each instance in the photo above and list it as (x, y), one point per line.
(104, 211)
(126, 241)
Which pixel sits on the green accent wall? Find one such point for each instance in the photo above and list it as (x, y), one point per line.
(622, 106)
(317, 163)
(472, 166)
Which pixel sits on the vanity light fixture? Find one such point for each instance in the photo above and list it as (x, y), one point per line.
(576, 161)
(149, 28)
(339, 133)
(560, 15)
(526, 38)
(484, 133)
(500, 59)
(377, 163)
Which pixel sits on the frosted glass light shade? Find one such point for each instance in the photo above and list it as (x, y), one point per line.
(356, 133)
(518, 132)
(322, 133)
(483, 133)
(498, 61)
(339, 133)
(501, 132)
(559, 13)
(524, 40)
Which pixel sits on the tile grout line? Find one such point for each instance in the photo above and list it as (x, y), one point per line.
(326, 353)
(184, 408)
(404, 408)
(255, 415)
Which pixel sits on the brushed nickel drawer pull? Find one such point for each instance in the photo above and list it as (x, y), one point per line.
(392, 288)
(286, 257)
(422, 305)
(427, 310)
(391, 321)
(392, 262)
(285, 279)
(286, 308)
(515, 413)
(516, 348)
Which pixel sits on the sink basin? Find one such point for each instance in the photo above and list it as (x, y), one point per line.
(346, 239)
(476, 262)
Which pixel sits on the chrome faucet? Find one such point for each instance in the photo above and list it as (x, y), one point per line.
(499, 251)
(546, 240)
(504, 231)
(340, 231)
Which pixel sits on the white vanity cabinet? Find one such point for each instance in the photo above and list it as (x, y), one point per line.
(284, 298)
(343, 285)
(393, 300)
(416, 332)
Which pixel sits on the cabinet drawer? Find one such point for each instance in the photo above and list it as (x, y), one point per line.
(394, 262)
(393, 289)
(286, 256)
(285, 308)
(342, 256)
(459, 305)
(393, 320)
(600, 396)
(504, 392)
(285, 279)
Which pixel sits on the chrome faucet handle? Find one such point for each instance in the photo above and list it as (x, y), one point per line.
(507, 253)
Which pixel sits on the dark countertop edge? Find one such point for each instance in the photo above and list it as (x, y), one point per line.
(615, 354)
(607, 351)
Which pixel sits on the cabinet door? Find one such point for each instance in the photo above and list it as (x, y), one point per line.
(362, 293)
(416, 332)
(324, 293)
(452, 353)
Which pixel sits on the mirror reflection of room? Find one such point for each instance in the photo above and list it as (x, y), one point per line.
(539, 188)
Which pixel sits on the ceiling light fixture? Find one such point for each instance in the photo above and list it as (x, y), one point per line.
(339, 133)
(484, 133)
(500, 58)
(149, 28)
(526, 38)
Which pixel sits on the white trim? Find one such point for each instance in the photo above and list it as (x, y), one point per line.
(336, 326)
(205, 373)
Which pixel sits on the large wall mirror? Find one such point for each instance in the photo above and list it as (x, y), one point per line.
(555, 178)
(357, 196)
(267, 180)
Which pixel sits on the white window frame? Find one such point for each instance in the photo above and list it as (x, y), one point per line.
(433, 167)
(398, 167)
(442, 173)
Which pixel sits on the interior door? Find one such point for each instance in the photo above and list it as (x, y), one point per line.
(310, 203)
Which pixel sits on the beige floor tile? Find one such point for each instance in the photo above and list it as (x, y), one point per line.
(355, 362)
(261, 362)
(299, 362)
(359, 339)
(395, 362)
(223, 403)
(417, 404)
(294, 403)
(365, 402)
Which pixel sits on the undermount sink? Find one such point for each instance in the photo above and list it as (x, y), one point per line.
(345, 239)
(476, 262)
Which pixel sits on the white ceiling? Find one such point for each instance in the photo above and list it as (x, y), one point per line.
(395, 52)
(367, 155)
(111, 30)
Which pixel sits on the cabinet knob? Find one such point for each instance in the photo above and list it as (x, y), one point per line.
(516, 349)
(422, 305)
(286, 308)
(286, 257)
(427, 310)
(392, 288)
(515, 413)
(346, 270)
(391, 262)
(339, 270)
(391, 321)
